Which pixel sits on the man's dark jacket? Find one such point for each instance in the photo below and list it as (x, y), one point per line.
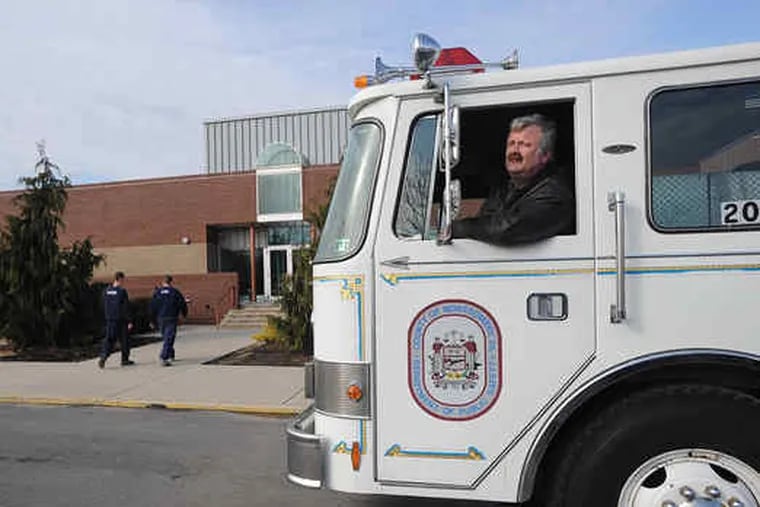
(116, 303)
(168, 303)
(511, 215)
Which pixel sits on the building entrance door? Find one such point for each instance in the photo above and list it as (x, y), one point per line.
(278, 262)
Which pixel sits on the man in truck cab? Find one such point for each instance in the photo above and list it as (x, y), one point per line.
(536, 202)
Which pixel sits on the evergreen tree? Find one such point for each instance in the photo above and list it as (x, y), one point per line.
(40, 283)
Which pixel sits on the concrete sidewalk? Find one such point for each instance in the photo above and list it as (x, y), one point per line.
(187, 384)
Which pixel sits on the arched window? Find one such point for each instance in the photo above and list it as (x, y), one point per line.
(279, 154)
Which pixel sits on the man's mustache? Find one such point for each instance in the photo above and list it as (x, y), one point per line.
(514, 157)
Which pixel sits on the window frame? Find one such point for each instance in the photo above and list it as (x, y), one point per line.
(569, 101)
(648, 137)
(423, 236)
(279, 217)
(371, 198)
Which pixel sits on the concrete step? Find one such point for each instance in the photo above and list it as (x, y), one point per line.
(249, 317)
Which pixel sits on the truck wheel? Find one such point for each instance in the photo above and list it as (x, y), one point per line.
(671, 446)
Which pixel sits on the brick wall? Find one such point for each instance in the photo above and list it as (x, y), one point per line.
(316, 181)
(154, 212)
(164, 210)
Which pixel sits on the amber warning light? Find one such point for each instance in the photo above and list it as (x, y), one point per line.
(354, 392)
(363, 81)
(356, 456)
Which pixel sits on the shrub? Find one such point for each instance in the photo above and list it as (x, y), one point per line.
(139, 310)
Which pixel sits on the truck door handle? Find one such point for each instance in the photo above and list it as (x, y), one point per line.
(398, 262)
(616, 205)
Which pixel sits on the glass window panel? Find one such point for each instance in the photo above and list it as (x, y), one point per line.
(413, 206)
(289, 233)
(279, 193)
(705, 149)
(278, 270)
(348, 216)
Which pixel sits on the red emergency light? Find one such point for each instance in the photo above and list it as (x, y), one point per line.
(454, 56)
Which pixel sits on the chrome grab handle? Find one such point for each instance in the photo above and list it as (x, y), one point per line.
(616, 204)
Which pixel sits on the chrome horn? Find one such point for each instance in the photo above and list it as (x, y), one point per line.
(385, 72)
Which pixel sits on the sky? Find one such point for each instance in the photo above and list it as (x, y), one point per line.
(119, 89)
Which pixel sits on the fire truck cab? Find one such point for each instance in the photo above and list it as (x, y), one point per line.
(614, 364)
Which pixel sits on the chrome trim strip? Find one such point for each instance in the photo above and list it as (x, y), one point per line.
(595, 385)
(573, 259)
(500, 261)
(712, 254)
(306, 483)
(332, 381)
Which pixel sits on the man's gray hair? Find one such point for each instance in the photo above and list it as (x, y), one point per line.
(547, 126)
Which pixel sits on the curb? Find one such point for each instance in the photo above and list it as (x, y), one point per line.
(94, 402)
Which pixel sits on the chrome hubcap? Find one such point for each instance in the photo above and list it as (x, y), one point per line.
(692, 478)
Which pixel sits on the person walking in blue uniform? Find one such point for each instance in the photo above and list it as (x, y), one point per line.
(167, 304)
(118, 325)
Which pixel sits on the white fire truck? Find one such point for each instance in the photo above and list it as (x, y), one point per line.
(615, 365)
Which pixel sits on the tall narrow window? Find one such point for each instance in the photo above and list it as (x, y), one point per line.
(413, 211)
(278, 184)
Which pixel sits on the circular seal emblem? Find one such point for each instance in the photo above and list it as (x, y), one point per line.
(454, 360)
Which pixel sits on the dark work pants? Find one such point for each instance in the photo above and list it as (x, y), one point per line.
(116, 329)
(168, 332)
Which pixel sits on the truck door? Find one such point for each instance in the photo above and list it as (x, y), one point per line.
(473, 341)
(689, 205)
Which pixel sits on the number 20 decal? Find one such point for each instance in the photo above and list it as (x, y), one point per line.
(740, 212)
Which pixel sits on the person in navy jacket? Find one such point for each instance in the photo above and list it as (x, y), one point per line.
(118, 325)
(166, 306)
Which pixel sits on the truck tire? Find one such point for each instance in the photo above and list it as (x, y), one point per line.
(663, 447)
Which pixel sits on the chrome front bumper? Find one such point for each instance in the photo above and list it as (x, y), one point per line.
(305, 462)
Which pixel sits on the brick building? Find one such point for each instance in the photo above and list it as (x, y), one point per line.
(227, 235)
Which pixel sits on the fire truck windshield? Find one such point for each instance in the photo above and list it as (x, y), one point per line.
(348, 216)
